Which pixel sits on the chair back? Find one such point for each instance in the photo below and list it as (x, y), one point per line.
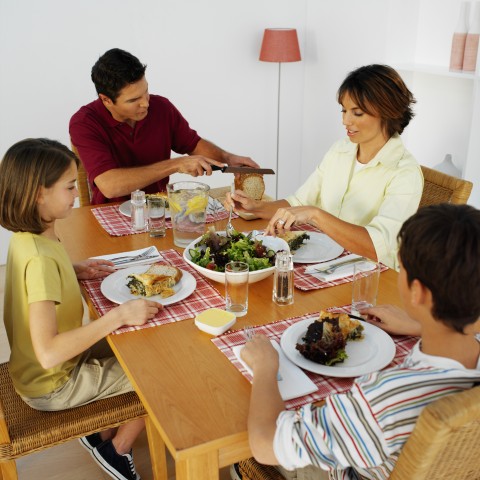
(84, 191)
(442, 188)
(445, 443)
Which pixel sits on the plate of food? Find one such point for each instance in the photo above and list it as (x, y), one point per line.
(160, 282)
(335, 345)
(126, 207)
(312, 247)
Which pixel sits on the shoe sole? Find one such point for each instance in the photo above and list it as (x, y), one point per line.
(107, 468)
(84, 443)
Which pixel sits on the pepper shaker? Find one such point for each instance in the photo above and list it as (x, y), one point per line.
(283, 279)
(138, 211)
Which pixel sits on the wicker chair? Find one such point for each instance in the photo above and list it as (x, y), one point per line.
(24, 430)
(442, 188)
(443, 446)
(84, 191)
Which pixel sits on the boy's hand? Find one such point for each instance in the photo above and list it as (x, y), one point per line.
(259, 353)
(137, 312)
(392, 319)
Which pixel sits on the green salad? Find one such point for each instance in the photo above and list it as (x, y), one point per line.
(214, 251)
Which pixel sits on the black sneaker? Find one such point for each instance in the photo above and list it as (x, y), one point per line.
(91, 441)
(120, 467)
(235, 472)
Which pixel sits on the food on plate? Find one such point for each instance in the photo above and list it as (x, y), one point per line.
(327, 337)
(162, 195)
(251, 184)
(157, 280)
(214, 251)
(294, 239)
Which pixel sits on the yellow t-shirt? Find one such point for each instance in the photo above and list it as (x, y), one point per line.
(379, 196)
(38, 269)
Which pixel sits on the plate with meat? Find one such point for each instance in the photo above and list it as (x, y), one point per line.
(335, 345)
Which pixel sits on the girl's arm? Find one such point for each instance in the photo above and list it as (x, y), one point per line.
(53, 348)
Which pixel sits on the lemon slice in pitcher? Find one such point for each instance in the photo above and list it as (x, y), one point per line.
(196, 204)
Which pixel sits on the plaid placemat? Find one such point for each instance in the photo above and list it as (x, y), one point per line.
(308, 282)
(117, 224)
(326, 385)
(205, 296)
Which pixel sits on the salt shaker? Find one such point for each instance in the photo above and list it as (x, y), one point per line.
(283, 279)
(139, 211)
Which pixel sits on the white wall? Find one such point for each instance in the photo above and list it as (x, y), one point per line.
(203, 55)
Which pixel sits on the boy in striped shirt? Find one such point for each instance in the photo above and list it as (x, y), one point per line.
(359, 434)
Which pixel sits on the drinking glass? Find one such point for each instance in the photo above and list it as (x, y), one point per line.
(156, 216)
(236, 288)
(366, 276)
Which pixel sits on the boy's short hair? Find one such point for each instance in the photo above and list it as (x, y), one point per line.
(26, 167)
(440, 247)
(114, 70)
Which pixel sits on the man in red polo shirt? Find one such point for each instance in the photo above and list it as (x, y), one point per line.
(125, 137)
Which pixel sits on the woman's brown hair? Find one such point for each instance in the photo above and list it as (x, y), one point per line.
(380, 91)
(26, 167)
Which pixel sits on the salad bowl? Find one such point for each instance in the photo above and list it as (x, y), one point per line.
(272, 243)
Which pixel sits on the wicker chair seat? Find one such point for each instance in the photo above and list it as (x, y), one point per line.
(31, 430)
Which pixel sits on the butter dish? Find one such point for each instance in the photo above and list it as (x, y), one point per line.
(215, 321)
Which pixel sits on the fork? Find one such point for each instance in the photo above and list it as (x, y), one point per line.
(229, 227)
(332, 268)
(134, 258)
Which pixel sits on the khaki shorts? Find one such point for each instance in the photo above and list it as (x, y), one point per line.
(97, 375)
(307, 473)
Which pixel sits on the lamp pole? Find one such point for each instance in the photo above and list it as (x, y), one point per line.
(278, 132)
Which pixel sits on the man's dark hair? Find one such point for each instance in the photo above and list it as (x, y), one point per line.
(114, 70)
(380, 91)
(440, 247)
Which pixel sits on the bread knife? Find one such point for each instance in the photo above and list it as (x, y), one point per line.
(228, 169)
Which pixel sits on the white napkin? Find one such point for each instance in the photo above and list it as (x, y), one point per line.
(146, 261)
(294, 382)
(340, 272)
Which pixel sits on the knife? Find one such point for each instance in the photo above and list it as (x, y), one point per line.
(228, 169)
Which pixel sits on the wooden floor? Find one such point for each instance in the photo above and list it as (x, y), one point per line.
(70, 461)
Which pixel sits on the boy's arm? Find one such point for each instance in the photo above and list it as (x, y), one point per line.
(265, 402)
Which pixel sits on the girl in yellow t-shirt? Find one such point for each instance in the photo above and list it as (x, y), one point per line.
(56, 362)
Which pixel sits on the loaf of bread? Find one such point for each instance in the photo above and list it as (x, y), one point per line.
(157, 280)
(251, 184)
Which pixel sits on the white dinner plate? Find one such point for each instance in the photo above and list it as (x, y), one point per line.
(375, 351)
(320, 248)
(114, 287)
(126, 209)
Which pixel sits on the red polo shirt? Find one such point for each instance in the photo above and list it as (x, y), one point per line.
(103, 143)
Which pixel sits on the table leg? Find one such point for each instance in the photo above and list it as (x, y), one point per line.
(202, 467)
(157, 451)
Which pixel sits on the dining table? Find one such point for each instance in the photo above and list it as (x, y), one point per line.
(197, 401)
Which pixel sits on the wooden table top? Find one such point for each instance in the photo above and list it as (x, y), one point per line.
(196, 398)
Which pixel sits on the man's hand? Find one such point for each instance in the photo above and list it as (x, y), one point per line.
(239, 161)
(197, 165)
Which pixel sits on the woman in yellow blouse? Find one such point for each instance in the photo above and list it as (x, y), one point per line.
(368, 184)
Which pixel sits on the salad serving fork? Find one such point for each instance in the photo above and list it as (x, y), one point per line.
(229, 227)
(133, 258)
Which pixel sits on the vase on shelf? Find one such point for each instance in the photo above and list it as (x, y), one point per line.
(460, 37)
(448, 167)
(471, 42)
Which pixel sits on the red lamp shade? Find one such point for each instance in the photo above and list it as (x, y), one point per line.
(280, 45)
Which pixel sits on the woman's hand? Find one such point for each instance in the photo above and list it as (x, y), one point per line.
(285, 218)
(259, 353)
(392, 319)
(241, 203)
(93, 268)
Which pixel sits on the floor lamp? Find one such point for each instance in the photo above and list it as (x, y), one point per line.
(279, 45)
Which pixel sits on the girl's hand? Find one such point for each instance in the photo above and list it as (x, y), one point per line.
(259, 353)
(93, 268)
(137, 312)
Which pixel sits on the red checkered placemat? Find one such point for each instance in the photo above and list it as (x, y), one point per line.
(326, 385)
(117, 224)
(308, 282)
(205, 296)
